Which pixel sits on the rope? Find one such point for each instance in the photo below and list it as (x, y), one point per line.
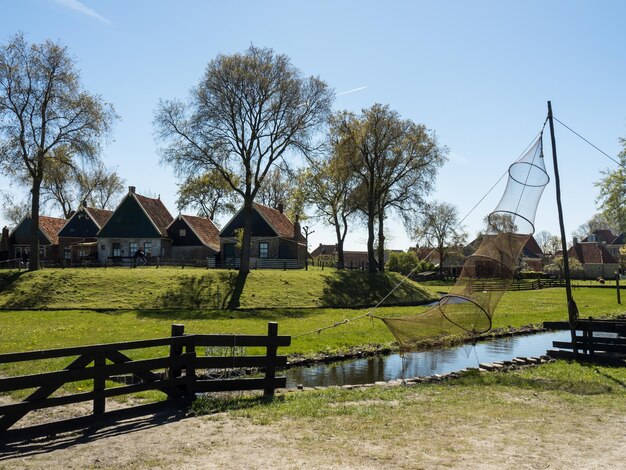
(595, 147)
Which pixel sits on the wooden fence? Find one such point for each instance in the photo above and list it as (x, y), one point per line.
(176, 374)
(587, 344)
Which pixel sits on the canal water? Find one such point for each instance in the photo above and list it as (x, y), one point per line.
(423, 363)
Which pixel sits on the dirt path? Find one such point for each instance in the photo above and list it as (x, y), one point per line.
(223, 441)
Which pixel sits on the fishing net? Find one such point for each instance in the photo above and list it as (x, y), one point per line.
(490, 270)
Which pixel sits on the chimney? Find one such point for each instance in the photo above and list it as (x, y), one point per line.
(84, 203)
(281, 207)
(297, 234)
(4, 239)
(131, 190)
(575, 240)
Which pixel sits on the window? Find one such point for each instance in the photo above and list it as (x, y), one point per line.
(132, 248)
(18, 251)
(182, 232)
(264, 249)
(117, 249)
(147, 248)
(67, 253)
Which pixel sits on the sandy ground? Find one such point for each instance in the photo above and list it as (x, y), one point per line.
(169, 440)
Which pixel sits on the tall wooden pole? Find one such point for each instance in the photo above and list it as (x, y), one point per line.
(572, 309)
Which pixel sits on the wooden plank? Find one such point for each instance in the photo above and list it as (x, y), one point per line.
(603, 340)
(584, 325)
(230, 385)
(25, 407)
(119, 358)
(234, 362)
(110, 418)
(92, 349)
(270, 371)
(242, 340)
(72, 375)
(615, 348)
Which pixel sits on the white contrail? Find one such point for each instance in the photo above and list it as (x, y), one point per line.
(79, 7)
(351, 91)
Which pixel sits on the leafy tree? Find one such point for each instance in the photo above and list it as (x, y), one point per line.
(556, 267)
(330, 188)
(612, 197)
(437, 226)
(405, 263)
(395, 161)
(248, 112)
(14, 211)
(207, 193)
(43, 107)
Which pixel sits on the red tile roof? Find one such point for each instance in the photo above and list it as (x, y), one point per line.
(206, 231)
(324, 249)
(591, 253)
(50, 227)
(157, 212)
(279, 222)
(99, 216)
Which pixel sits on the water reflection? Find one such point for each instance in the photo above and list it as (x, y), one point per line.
(436, 361)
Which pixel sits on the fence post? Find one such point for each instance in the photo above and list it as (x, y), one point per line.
(190, 369)
(99, 382)
(175, 350)
(619, 295)
(270, 370)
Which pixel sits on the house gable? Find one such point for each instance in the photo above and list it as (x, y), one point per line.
(260, 228)
(129, 221)
(48, 228)
(80, 225)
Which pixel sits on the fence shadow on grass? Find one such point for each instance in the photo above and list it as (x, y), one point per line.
(134, 420)
(32, 297)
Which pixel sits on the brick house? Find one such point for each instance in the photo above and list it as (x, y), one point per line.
(596, 260)
(276, 241)
(137, 222)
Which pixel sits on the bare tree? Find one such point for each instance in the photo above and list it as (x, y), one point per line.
(43, 107)
(437, 225)
(248, 112)
(99, 186)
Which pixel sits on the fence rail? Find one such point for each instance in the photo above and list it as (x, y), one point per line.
(176, 374)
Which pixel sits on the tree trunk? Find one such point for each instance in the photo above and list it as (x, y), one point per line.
(340, 258)
(244, 266)
(441, 253)
(33, 259)
(371, 258)
(381, 241)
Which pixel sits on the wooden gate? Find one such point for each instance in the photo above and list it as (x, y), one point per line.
(175, 373)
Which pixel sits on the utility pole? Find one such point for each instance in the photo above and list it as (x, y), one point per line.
(572, 309)
(306, 255)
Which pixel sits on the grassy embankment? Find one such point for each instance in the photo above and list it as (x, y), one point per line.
(110, 305)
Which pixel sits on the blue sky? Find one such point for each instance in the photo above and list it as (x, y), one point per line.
(478, 73)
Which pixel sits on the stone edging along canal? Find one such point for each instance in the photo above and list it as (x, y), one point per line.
(513, 364)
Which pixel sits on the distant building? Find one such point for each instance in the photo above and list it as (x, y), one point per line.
(595, 259)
